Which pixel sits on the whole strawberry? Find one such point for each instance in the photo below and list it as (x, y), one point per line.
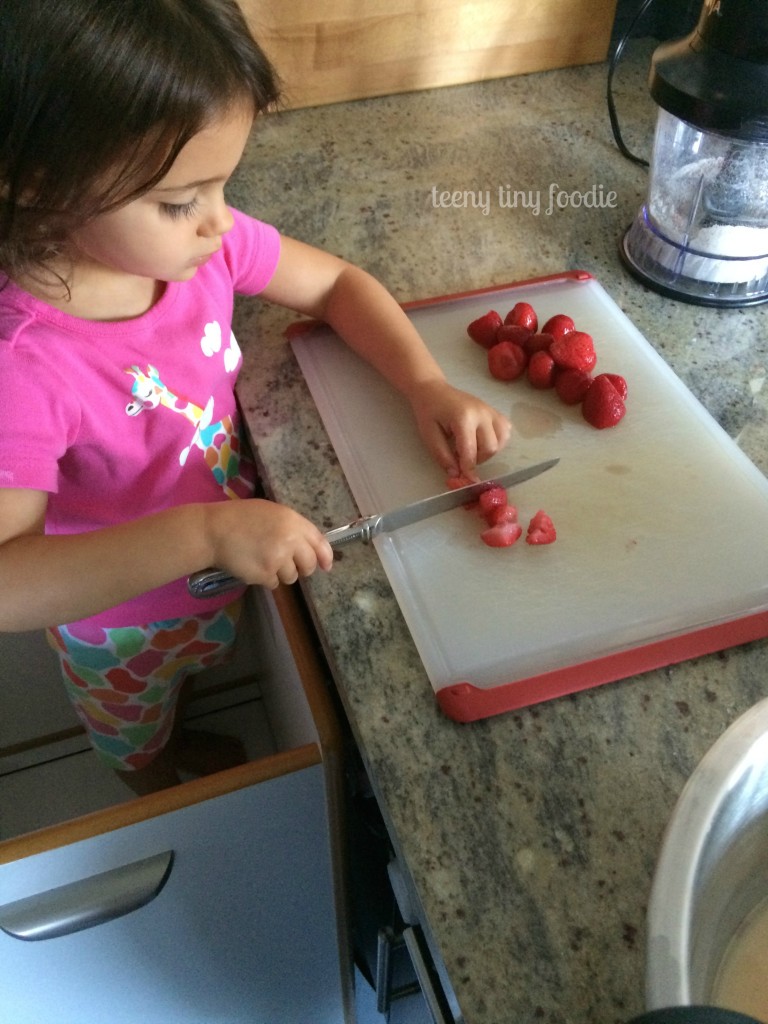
(483, 330)
(507, 361)
(603, 406)
(619, 383)
(572, 385)
(574, 351)
(559, 325)
(513, 332)
(524, 314)
(541, 370)
(537, 343)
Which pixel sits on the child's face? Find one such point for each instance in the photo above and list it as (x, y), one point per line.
(172, 230)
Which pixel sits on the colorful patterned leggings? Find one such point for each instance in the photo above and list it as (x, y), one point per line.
(124, 683)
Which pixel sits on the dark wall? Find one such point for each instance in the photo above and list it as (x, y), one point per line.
(665, 19)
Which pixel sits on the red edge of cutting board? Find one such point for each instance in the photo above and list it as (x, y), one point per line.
(464, 702)
(301, 327)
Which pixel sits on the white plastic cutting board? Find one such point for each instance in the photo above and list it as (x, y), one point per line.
(662, 521)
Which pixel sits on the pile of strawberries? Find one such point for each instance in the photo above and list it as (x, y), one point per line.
(502, 528)
(557, 356)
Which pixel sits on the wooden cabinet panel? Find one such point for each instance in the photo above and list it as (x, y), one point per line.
(339, 50)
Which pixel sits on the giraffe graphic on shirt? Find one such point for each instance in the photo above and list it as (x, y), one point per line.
(216, 439)
(149, 392)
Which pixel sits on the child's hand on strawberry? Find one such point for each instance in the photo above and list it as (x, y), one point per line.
(459, 429)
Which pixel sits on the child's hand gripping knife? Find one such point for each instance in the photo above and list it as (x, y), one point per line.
(265, 543)
(257, 541)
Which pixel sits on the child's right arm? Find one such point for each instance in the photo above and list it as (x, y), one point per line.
(50, 580)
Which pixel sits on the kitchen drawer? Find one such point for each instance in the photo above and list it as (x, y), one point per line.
(416, 938)
(241, 932)
(262, 701)
(27, 663)
(243, 921)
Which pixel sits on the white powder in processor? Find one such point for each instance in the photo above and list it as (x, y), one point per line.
(751, 244)
(742, 980)
(732, 240)
(715, 245)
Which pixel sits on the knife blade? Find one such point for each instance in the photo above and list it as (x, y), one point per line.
(211, 582)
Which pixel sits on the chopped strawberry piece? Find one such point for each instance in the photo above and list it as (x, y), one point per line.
(572, 385)
(483, 330)
(524, 314)
(574, 351)
(494, 498)
(504, 514)
(513, 332)
(502, 536)
(538, 343)
(559, 325)
(619, 383)
(541, 370)
(507, 361)
(453, 483)
(603, 406)
(541, 529)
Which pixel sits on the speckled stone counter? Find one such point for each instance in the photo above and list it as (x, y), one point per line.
(531, 837)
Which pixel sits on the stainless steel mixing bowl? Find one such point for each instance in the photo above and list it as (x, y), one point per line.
(713, 866)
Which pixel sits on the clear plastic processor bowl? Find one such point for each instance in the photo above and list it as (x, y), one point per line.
(702, 234)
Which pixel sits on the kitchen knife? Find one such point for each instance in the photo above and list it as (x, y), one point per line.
(210, 582)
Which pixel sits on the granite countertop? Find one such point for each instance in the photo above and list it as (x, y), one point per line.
(532, 836)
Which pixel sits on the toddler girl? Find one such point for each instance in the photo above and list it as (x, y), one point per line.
(120, 454)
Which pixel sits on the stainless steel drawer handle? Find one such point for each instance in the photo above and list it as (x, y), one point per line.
(88, 902)
(431, 988)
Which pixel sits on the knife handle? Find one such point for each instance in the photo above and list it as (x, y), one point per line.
(212, 582)
(363, 529)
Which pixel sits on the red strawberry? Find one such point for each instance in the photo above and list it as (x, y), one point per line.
(603, 406)
(537, 342)
(619, 383)
(453, 483)
(513, 332)
(559, 325)
(574, 351)
(483, 330)
(504, 514)
(541, 370)
(494, 498)
(523, 313)
(502, 536)
(572, 385)
(541, 529)
(507, 361)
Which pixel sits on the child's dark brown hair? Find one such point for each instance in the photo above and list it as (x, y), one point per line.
(97, 98)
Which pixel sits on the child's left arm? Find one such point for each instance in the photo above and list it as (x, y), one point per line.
(459, 429)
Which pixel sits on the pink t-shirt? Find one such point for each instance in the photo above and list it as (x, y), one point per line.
(120, 419)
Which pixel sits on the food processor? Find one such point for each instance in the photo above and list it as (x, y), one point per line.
(702, 234)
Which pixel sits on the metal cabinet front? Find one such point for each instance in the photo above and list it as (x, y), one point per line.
(222, 911)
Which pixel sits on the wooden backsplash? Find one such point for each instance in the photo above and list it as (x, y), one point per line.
(332, 50)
